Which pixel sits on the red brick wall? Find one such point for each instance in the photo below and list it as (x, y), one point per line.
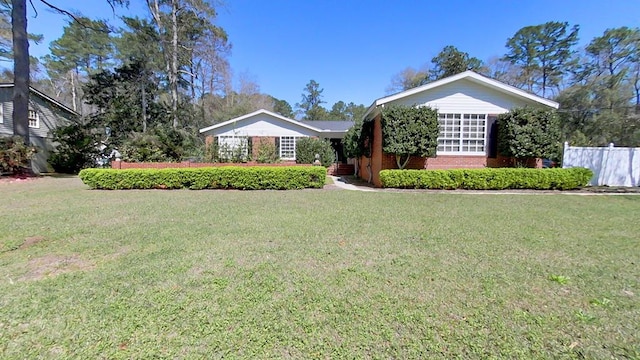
(376, 152)
(340, 169)
(455, 162)
(502, 161)
(256, 141)
(187, 164)
(380, 161)
(439, 162)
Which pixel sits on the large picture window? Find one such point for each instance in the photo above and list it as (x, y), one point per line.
(230, 147)
(462, 133)
(288, 147)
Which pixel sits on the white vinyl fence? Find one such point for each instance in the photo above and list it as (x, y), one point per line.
(611, 166)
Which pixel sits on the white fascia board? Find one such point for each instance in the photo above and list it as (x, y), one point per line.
(477, 78)
(370, 110)
(258, 112)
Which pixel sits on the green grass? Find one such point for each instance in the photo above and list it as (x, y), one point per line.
(315, 274)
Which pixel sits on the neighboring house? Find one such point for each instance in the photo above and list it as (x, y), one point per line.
(266, 126)
(45, 114)
(467, 105)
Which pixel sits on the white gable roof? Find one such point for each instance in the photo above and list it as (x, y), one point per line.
(469, 76)
(259, 112)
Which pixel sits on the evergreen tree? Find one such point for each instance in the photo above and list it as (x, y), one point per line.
(451, 61)
(544, 54)
(311, 104)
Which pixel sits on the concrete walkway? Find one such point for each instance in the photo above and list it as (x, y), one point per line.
(338, 182)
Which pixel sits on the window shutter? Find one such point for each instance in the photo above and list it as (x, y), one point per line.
(492, 136)
(278, 147)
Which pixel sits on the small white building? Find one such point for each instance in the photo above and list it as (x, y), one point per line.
(248, 131)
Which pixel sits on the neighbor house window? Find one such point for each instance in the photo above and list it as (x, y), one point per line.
(34, 119)
(462, 133)
(233, 147)
(288, 147)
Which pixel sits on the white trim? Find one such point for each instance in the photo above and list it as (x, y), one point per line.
(37, 119)
(448, 153)
(258, 112)
(228, 145)
(1, 113)
(461, 137)
(468, 75)
(295, 146)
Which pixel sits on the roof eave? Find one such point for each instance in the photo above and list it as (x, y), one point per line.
(370, 110)
(472, 76)
(257, 112)
(46, 97)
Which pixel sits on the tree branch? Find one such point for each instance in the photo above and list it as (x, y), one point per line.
(73, 16)
(34, 8)
(62, 11)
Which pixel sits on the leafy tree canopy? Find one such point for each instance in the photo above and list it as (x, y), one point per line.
(283, 108)
(409, 131)
(311, 105)
(529, 133)
(544, 53)
(451, 61)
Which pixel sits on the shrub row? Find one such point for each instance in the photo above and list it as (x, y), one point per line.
(487, 179)
(227, 177)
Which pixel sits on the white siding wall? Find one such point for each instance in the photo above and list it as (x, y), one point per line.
(6, 125)
(50, 116)
(464, 96)
(262, 125)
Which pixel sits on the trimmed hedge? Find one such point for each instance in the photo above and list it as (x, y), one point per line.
(487, 179)
(226, 177)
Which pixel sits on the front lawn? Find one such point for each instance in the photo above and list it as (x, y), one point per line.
(315, 274)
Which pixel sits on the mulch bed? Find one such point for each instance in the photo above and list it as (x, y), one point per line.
(19, 177)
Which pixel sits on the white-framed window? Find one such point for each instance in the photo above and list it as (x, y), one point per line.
(233, 147)
(288, 147)
(34, 119)
(462, 133)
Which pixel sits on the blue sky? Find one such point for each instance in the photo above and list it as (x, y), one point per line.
(352, 48)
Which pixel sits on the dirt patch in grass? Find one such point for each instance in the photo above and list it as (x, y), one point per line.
(53, 265)
(32, 240)
(17, 178)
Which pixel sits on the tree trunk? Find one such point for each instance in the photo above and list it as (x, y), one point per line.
(401, 164)
(20, 69)
(74, 94)
(144, 106)
(174, 62)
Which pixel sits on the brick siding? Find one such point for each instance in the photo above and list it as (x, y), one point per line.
(188, 164)
(380, 161)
